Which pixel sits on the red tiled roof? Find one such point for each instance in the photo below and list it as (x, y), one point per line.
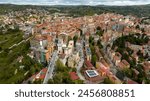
(125, 62)
(116, 58)
(73, 76)
(114, 78)
(33, 76)
(148, 42)
(42, 73)
(131, 82)
(40, 37)
(44, 70)
(146, 66)
(88, 64)
(49, 38)
(103, 70)
(87, 33)
(105, 63)
(62, 56)
(121, 65)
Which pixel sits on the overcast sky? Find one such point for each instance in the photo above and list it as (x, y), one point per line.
(78, 2)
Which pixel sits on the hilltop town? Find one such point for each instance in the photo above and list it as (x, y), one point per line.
(56, 48)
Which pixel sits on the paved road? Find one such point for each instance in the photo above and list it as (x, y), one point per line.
(51, 66)
(81, 62)
(79, 68)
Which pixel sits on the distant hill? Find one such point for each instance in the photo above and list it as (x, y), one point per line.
(139, 11)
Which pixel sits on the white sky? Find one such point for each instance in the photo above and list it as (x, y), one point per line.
(78, 2)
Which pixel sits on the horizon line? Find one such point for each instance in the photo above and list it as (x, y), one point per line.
(29, 4)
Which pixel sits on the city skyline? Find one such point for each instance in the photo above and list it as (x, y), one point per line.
(76, 2)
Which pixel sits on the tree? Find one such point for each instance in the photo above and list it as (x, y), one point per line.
(60, 66)
(128, 72)
(78, 81)
(99, 31)
(29, 82)
(26, 46)
(6, 50)
(120, 75)
(75, 38)
(69, 38)
(107, 81)
(50, 81)
(0, 48)
(92, 49)
(94, 59)
(143, 30)
(27, 62)
(81, 32)
(137, 27)
(91, 39)
(99, 44)
(74, 69)
(32, 70)
(98, 28)
(66, 78)
(57, 78)
(39, 81)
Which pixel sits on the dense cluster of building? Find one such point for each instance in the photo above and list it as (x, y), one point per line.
(57, 32)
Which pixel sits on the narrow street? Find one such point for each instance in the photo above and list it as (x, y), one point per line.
(81, 62)
(113, 68)
(51, 67)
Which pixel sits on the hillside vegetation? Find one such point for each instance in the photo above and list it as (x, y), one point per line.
(139, 11)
